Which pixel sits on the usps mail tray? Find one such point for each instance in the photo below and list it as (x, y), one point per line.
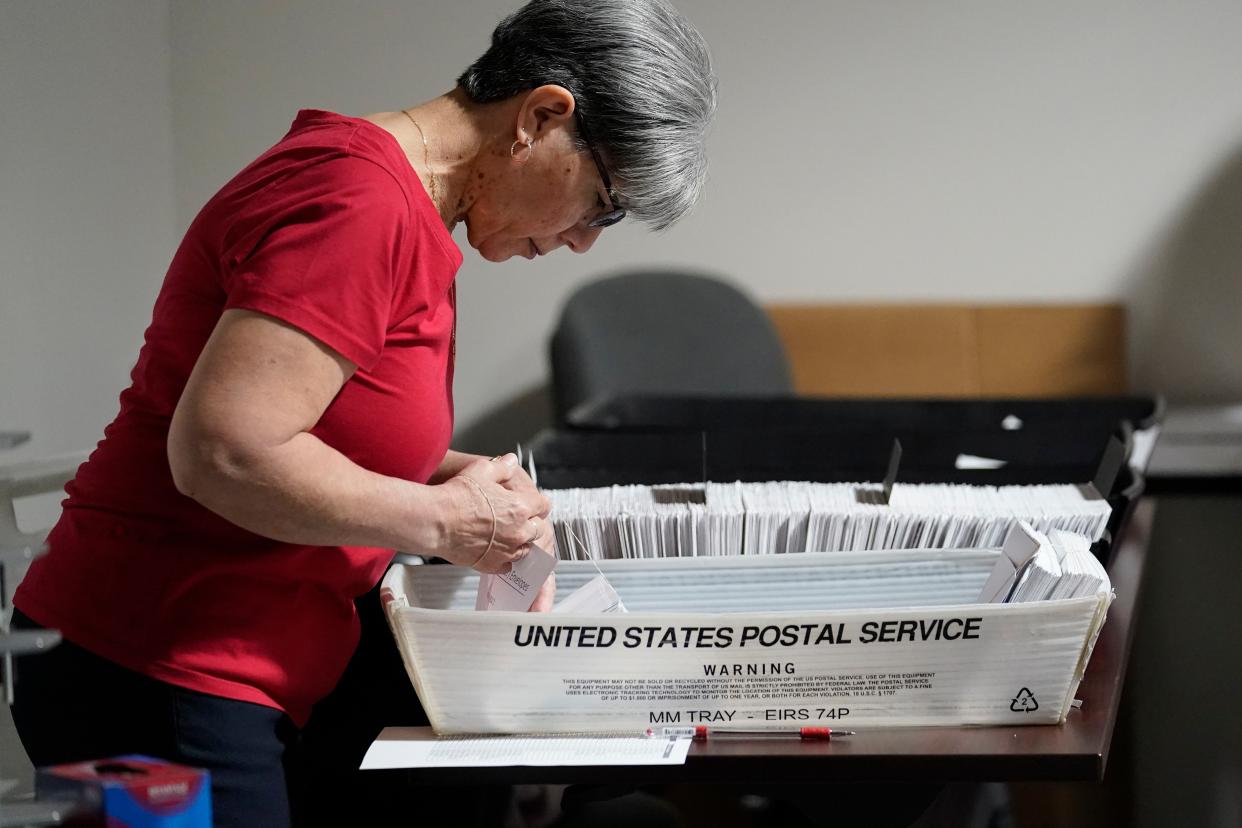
(851, 639)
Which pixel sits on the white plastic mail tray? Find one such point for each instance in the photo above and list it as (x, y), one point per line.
(853, 639)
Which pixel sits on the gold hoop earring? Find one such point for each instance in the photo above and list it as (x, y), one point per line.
(530, 149)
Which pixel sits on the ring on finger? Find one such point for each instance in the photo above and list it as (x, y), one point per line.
(534, 522)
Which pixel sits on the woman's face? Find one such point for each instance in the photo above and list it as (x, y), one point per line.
(533, 201)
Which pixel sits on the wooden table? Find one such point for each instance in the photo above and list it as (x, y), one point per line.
(1074, 751)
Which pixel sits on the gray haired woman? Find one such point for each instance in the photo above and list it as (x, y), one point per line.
(289, 416)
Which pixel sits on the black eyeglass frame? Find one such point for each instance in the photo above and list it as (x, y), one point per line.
(611, 217)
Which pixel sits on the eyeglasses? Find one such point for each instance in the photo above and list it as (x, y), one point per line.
(616, 213)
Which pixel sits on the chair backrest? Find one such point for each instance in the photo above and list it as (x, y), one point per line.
(664, 332)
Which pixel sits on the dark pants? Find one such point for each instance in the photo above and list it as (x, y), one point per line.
(72, 705)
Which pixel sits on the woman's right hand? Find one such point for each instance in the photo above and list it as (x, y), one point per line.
(520, 516)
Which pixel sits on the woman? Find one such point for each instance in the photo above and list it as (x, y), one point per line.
(289, 416)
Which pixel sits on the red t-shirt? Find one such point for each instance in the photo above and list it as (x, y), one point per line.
(331, 231)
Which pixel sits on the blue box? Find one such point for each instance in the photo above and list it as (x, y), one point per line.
(130, 792)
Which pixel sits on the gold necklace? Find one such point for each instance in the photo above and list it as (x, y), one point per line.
(431, 176)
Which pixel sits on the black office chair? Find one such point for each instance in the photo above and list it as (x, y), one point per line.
(664, 332)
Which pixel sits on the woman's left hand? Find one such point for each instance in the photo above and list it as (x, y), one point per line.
(520, 483)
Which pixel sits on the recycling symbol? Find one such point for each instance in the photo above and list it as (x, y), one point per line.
(1024, 702)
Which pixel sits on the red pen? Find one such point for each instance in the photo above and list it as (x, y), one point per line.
(700, 733)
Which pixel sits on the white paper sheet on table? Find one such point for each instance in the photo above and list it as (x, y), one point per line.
(419, 747)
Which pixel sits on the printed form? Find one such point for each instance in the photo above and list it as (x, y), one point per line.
(419, 747)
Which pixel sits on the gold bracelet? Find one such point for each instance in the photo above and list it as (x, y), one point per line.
(491, 509)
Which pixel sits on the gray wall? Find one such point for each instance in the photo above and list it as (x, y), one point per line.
(87, 217)
(895, 151)
(87, 222)
(864, 151)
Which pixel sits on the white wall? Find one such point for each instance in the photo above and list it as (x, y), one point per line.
(87, 221)
(863, 151)
(87, 224)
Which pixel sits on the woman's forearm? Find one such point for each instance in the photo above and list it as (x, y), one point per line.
(303, 491)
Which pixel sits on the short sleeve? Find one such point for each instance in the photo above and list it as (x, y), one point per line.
(320, 250)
